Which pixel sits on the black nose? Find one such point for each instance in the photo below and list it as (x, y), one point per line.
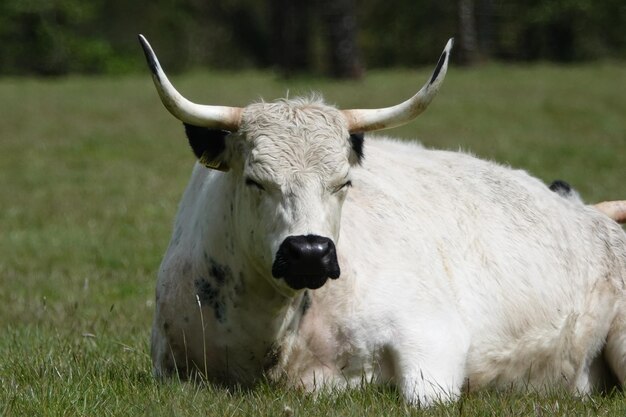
(306, 261)
(307, 249)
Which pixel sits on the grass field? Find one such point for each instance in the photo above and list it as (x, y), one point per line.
(91, 172)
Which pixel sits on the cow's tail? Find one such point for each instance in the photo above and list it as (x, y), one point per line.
(614, 209)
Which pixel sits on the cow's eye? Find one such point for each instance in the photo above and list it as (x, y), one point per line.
(252, 183)
(344, 185)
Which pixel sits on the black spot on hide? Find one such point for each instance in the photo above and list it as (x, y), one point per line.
(561, 187)
(306, 303)
(220, 272)
(210, 296)
(208, 145)
(272, 357)
(442, 59)
(356, 139)
(209, 289)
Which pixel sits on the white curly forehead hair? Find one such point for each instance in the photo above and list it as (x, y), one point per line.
(297, 134)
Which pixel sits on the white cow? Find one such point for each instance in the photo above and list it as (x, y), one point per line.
(451, 272)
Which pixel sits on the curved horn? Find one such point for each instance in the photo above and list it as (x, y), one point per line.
(214, 117)
(363, 120)
(614, 209)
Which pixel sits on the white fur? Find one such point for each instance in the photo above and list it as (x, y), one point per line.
(456, 272)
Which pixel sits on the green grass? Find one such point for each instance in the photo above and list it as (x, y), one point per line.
(91, 172)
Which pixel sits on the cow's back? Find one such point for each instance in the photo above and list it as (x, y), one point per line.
(531, 274)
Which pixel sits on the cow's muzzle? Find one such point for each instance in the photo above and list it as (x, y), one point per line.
(306, 261)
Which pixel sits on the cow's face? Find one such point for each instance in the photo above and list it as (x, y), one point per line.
(290, 163)
(289, 167)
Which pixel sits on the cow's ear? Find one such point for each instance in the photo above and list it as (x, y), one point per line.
(208, 145)
(356, 141)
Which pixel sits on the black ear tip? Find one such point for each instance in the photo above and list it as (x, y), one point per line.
(358, 136)
(356, 140)
(208, 145)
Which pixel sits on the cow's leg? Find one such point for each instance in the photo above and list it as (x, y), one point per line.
(615, 349)
(430, 364)
(168, 359)
(597, 378)
(163, 364)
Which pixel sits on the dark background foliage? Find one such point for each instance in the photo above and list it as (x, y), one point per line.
(334, 37)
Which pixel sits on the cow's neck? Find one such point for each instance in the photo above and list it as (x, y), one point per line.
(258, 322)
(252, 315)
(264, 312)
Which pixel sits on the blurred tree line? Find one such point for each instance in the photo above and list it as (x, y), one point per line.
(336, 37)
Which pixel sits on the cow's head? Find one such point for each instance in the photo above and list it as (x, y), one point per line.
(289, 163)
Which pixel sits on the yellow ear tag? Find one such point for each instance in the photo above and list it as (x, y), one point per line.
(212, 163)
